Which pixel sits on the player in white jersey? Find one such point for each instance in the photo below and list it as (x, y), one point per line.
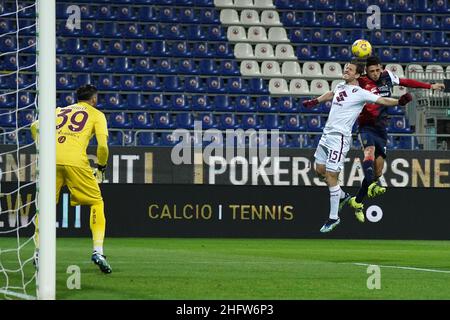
(348, 101)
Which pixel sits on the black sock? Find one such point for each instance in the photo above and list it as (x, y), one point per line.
(368, 179)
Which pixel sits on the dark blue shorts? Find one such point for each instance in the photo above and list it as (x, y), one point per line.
(374, 137)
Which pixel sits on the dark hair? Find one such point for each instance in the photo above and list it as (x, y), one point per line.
(86, 92)
(372, 61)
(359, 66)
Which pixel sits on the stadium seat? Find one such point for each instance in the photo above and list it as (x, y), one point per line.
(398, 38)
(314, 123)
(163, 120)
(415, 71)
(179, 102)
(235, 85)
(326, 107)
(119, 120)
(93, 47)
(64, 82)
(194, 84)
(157, 102)
(26, 117)
(173, 32)
(244, 51)
(417, 38)
(264, 51)
(264, 104)
(164, 66)
(263, 4)
(229, 16)
(168, 139)
(101, 64)
(185, 120)
(249, 17)
(223, 50)
(123, 65)
(312, 69)
(201, 50)
(440, 6)
(256, 34)
(399, 125)
(444, 56)
(244, 104)
(319, 87)
(293, 123)
(291, 69)
(223, 3)
(135, 101)
(257, 86)
(180, 49)
(207, 66)
(271, 121)
(270, 69)
(427, 55)
(332, 70)
(299, 87)
(145, 138)
(79, 64)
(278, 86)
(285, 52)
(229, 68)
(250, 121)
(303, 52)
(300, 35)
(227, 121)
(208, 120)
(250, 68)
(222, 103)
(215, 85)
(172, 84)
(283, 4)
(386, 54)
(187, 66)
(286, 105)
(217, 33)
(201, 103)
(141, 120)
(277, 34)
(396, 68)
(270, 18)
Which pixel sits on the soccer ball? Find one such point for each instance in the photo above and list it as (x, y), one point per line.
(361, 48)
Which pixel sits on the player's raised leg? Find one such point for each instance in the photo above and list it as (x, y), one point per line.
(375, 189)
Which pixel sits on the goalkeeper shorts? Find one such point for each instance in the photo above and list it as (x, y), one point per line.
(83, 186)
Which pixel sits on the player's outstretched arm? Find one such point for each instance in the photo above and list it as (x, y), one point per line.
(390, 102)
(325, 97)
(411, 83)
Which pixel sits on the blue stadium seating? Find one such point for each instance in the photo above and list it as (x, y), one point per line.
(147, 139)
(166, 55)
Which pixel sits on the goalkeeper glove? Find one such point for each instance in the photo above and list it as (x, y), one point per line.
(404, 99)
(310, 103)
(99, 173)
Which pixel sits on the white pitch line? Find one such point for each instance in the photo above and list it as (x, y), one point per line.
(399, 267)
(17, 295)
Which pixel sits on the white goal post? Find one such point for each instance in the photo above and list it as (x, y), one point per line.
(46, 69)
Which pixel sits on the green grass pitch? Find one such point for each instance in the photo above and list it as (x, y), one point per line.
(161, 268)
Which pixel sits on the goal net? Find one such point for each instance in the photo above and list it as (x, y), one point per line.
(19, 155)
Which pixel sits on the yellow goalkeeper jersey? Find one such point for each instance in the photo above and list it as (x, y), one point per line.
(75, 126)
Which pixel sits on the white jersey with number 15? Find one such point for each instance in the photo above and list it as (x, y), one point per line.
(348, 102)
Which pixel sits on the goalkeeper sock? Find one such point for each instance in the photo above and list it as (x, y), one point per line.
(98, 226)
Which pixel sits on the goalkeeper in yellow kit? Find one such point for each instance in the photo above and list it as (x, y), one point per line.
(75, 126)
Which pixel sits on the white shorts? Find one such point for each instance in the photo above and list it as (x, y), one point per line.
(332, 150)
